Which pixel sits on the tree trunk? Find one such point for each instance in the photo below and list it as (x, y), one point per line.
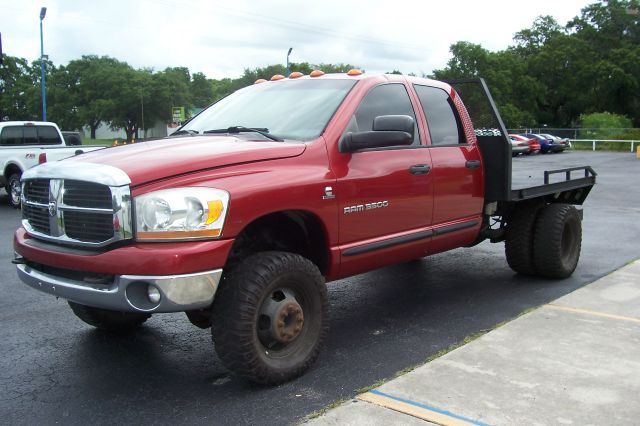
(93, 127)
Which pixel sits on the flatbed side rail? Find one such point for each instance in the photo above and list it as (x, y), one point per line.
(588, 171)
(572, 190)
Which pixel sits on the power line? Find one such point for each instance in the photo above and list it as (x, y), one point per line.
(331, 32)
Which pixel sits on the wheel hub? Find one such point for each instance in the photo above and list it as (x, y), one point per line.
(281, 319)
(16, 191)
(288, 321)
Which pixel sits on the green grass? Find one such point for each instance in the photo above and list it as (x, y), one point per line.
(105, 142)
(604, 146)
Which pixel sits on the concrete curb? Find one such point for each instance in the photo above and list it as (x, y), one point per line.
(573, 361)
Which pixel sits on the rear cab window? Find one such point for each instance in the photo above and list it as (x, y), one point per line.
(29, 135)
(11, 135)
(48, 135)
(445, 126)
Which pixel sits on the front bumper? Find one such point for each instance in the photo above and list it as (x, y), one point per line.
(129, 293)
(185, 274)
(176, 258)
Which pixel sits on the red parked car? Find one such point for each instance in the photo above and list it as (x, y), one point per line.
(534, 145)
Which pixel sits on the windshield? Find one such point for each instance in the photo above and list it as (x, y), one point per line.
(291, 109)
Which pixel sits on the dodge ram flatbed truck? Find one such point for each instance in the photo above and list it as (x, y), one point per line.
(241, 216)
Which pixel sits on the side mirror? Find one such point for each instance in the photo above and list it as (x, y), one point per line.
(401, 123)
(388, 130)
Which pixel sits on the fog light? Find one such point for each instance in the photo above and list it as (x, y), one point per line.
(153, 294)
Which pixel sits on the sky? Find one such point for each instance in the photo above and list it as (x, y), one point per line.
(222, 38)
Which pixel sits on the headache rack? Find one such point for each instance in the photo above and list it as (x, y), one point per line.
(495, 148)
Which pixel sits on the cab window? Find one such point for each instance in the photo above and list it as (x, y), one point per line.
(11, 135)
(444, 124)
(48, 135)
(388, 99)
(30, 135)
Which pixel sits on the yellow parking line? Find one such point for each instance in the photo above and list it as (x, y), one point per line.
(415, 409)
(592, 313)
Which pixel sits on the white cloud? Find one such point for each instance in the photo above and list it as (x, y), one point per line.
(221, 39)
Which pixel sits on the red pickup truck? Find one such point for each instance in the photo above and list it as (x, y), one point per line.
(241, 216)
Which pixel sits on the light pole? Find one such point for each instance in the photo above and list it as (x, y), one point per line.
(288, 53)
(43, 12)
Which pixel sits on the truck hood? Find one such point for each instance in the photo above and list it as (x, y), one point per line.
(149, 161)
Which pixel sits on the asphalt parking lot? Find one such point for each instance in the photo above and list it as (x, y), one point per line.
(54, 369)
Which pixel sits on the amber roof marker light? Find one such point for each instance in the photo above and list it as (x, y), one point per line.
(316, 73)
(295, 74)
(354, 71)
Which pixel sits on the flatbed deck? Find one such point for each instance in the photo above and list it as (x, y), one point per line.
(531, 179)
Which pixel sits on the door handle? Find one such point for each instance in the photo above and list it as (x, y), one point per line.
(472, 164)
(419, 169)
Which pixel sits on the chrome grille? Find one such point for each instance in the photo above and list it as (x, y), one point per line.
(76, 212)
(38, 190)
(38, 217)
(88, 226)
(86, 194)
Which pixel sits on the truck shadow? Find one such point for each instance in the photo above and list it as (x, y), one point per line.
(381, 322)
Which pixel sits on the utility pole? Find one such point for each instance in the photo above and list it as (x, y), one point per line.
(43, 12)
(287, 71)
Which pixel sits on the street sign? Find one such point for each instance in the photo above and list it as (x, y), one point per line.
(177, 114)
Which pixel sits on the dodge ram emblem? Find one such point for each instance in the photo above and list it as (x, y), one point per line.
(53, 208)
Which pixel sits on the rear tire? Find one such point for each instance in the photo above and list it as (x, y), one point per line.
(557, 241)
(108, 320)
(270, 317)
(519, 238)
(14, 189)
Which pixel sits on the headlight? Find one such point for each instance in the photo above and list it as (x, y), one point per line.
(181, 214)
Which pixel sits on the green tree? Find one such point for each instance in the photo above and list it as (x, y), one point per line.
(62, 100)
(529, 41)
(95, 87)
(553, 74)
(222, 88)
(469, 60)
(602, 125)
(201, 89)
(612, 29)
(127, 111)
(16, 87)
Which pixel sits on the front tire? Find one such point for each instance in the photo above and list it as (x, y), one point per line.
(270, 317)
(14, 189)
(557, 241)
(108, 320)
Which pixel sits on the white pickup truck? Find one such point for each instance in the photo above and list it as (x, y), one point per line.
(24, 144)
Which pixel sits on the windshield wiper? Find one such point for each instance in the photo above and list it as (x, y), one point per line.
(241, 129)
(184, 132)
